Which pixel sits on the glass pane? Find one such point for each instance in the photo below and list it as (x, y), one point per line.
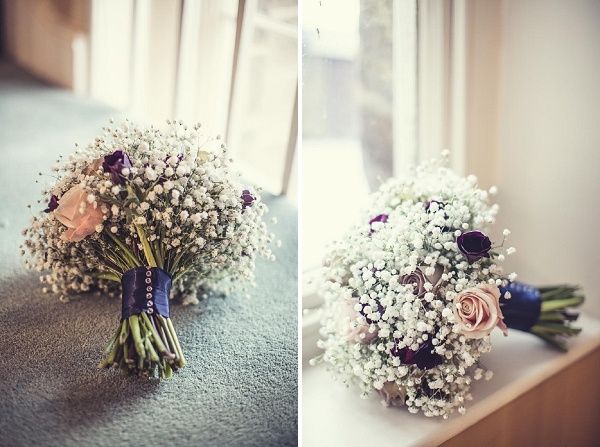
(264, 97)
(347, 113)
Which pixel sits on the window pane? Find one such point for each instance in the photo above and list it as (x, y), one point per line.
(347, 113)
(265, 92)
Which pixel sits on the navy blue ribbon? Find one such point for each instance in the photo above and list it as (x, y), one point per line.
(522, 310)
(145, 289)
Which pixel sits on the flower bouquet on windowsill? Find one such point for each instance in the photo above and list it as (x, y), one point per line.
(147, 214)
(412, 295)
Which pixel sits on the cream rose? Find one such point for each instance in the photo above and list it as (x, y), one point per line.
(349, 326)
(79, 225)
(478, 311)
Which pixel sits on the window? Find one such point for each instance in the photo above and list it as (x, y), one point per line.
(383, 88)
(347, 113)
(232, 65)
(263, 122)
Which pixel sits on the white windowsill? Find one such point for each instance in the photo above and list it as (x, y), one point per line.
(337, 416)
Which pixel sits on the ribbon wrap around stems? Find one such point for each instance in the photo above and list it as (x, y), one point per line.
(522, 310)
(145, 289)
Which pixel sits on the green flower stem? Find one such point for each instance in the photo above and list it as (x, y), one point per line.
(558, 304)
(109, 276)
(137, 339)
(176, 340)
(551, 339)
(159, 343)
(124, 332)
(132, 258)
(112, 341)
(151, 351)
(146, 246)
(554, 325)
(143, 344)
(558, 292)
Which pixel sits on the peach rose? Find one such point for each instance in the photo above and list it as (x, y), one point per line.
(478, 311)
(93, 166)
(79, 225)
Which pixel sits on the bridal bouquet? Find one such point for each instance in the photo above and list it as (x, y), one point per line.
(413, 293)
(149, 214)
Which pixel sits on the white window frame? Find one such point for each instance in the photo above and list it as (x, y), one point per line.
(249, 19)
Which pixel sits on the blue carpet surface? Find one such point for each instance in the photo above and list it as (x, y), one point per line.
(239, 387)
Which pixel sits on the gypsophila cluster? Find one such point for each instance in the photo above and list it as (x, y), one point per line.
(173, 190)
(411, 293)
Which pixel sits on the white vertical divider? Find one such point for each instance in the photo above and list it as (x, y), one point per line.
(405, 110)
(291, 148)
(433, 77)
(81, 73)
(458, 74)
(155, 27)
(139, 57)
(110, 51)
(216, 55)
(187, 71)
(244, 35)
(205, 62)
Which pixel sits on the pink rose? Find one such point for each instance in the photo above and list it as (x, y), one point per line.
(79, 225)
(478, 311)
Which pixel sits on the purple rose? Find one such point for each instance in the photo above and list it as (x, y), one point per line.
(247, 199)
(115, 163)
(52, 204)
(383, 218)
(423, 357)
(474, 245)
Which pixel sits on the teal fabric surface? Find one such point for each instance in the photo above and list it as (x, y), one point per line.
(239, 387)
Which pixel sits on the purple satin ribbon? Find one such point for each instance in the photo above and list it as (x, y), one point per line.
(145, 289)
(523, 309)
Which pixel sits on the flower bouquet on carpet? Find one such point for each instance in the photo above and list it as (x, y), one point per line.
(413, 293)
(149, 214)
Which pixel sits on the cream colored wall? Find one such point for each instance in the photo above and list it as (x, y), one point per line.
(482, 77)
(537, 135)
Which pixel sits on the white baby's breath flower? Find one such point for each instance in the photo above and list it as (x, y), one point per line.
(185, 204)
(384, 313)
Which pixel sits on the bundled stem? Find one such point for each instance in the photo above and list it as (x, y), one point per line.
(143, 345)
(555, 322)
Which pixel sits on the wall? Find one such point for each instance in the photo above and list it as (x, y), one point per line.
(548, 141)
(59, 53)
